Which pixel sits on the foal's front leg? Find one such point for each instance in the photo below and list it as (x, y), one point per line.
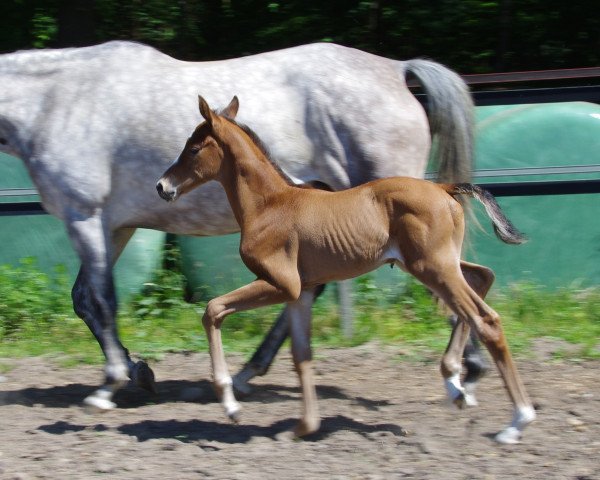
(256, 294)
(300, 325)
(264, 355)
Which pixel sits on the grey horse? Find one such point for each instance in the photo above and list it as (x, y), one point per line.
(96, 126)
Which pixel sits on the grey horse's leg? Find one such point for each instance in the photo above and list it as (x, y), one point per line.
(263, 357)
(140, 373)
(95, 301)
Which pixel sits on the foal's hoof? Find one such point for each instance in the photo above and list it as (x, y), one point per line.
(509, 436)
(286, 436)
(464, 400)
(235, 416)
(307, 427)
(470, 400)
(142, 376)
(512, 434)
(459, 401)
(233, 411)
(460, 396)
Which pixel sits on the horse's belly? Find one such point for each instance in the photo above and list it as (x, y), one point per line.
(335, 273)
(319, 267)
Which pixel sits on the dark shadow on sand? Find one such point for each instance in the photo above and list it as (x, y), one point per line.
(198, 431)
(169, 391)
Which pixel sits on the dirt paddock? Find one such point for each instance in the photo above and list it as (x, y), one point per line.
(383, 418)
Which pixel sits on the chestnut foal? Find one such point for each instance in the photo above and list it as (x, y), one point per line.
(294, 239)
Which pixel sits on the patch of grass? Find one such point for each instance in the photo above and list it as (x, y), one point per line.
(568, 314)
(36, 318)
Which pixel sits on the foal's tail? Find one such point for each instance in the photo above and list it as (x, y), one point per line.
(503, 227)
(450, 111)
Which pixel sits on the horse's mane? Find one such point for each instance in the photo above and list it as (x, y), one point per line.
(263, 148)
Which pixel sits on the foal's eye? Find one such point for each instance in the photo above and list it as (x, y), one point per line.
(195, 150)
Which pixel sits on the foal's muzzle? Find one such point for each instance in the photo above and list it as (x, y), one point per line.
(167, 194)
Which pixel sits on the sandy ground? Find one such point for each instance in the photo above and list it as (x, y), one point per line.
(383, 418)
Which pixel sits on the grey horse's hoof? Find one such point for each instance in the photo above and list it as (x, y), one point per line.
(241, 387)
(476, 367)
(142, 376)
(99, 401)
(94, 404)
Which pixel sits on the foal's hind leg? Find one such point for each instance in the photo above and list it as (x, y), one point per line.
(451, 286)
(443, 276)
(480, 279)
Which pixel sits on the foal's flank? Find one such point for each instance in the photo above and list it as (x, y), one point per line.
(294, 239)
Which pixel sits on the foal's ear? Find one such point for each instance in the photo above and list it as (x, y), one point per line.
(205, 110)
(230, 111)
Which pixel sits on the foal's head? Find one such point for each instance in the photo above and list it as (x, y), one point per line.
(202, 156)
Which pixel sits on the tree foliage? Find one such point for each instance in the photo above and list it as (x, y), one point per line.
(468, 35)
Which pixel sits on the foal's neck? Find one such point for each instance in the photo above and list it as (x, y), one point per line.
(249, 179)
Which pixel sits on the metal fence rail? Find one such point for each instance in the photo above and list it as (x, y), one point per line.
(587, 93)
(529, 189)
(21, 208)
(500, 189)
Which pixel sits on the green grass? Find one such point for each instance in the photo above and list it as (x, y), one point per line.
(36, 318)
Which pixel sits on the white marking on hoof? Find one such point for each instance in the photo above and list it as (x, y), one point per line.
(469, 390)
(117, 375)
(234, 413)
(522, 417)
(509, 436)
(456, 393)
(231, 406)
(99, 401)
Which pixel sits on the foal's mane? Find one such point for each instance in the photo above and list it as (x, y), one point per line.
(262, 147)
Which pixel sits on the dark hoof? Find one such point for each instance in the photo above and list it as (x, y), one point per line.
(143, 377)
(242, 389)
(476, 368)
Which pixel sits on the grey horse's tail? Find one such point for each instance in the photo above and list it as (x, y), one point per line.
(503, 227)
(451, 118)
